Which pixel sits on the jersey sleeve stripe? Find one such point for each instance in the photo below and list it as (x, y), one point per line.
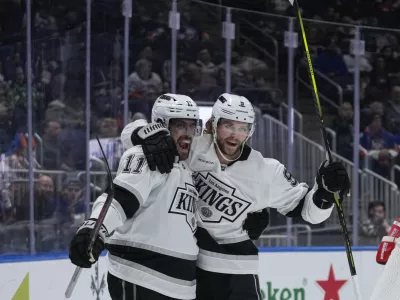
(296, 212)
(311, 212)
(206, 242)
(235, 258)
(130, 189)
(144, 246)
(176, 268)
(150, 279)
(127, 200)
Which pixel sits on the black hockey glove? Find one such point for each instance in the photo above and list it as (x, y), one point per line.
(332, 178)
(256, 223)
(78, 249)
(158, 146)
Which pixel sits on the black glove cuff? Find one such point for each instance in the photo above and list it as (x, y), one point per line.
(323, 199)
(136, 140)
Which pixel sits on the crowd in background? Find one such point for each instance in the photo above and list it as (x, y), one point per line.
(59, 91)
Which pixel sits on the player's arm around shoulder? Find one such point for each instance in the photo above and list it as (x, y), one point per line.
(132, 186)
(158, 146)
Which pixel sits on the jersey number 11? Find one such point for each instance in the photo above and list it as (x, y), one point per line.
(134, 167)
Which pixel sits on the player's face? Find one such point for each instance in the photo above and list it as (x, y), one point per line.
(230, 136)
(183, 131)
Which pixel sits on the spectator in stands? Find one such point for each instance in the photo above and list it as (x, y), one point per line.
(105, 103)
(393, 112)
(331, 15)
(58, 80)
(237, 73)
(50, 144)
(207, 68)
(189, 29)
(330, 61)
(44, 197)
(191, 79)
(365, 89)
(158, 28)
(343, 126)
(107, 131)
(44, 23)
(6, 203)
(251, 67)
(370, 47)
(145, 82)
(376, 226)
(349, 60)
(1, 72)
(7, 127)
(391, 60)
(380, 75)
(71, 201)
(70, 111)
(280, 6)
(71, 114)
(17, 154)
(381, 146)
(11, 65)
(190, 85)
(19, 91)
(373, 109)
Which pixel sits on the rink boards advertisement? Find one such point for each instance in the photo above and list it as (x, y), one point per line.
(285, 274)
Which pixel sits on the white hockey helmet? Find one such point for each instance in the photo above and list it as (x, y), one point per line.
(174, 106)
(233, 107)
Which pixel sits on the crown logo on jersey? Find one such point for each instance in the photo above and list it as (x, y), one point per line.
(217, 200)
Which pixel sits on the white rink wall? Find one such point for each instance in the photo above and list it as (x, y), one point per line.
(285, 274)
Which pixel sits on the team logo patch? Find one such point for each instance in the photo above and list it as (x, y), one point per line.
(217, 200)
(206, 212)
(184, 204)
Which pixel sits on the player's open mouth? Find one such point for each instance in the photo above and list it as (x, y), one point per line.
(184, 146)
(231, 144)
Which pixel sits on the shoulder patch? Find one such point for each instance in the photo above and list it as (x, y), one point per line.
(289, 177)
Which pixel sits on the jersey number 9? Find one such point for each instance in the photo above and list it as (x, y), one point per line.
(289, 177)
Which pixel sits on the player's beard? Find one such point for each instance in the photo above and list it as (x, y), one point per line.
(230, 147)
(183, 146)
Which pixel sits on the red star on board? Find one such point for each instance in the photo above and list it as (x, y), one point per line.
(331, 286)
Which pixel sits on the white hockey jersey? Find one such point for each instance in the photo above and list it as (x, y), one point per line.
(228, 193)
(153, 219)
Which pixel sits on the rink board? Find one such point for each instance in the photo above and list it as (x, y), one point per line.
(285, 274)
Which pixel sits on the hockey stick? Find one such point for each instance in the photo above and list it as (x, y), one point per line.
(318, 107)
(96, 229)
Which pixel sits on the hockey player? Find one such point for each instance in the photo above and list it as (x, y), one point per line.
(149, 228)
(388, 243)
(388, 285)
(233, 180)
